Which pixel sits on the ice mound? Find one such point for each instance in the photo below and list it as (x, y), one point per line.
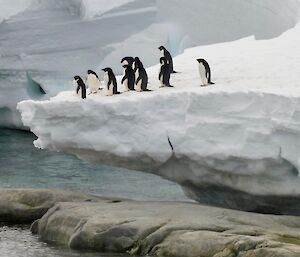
(236, 144)
(49, 41)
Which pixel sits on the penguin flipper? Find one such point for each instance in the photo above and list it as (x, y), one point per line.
(138, 80)
(123, 79)
(159, 76)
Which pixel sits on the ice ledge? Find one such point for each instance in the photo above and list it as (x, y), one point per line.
(223, 142)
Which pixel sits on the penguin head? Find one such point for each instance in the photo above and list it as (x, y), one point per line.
(128, 60)
(161, 48)
(163, 60)
(78, 80)
(200, 60)
(107, 70)
(125, 66)
(137, 62)
(90, 72)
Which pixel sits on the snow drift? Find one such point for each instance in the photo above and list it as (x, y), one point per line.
(49, 41)
(236, 144)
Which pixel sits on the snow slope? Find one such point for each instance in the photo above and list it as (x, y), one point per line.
(236, 144)
(43, 43)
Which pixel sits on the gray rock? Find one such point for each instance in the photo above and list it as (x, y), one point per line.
(81, 221)
(170, 229)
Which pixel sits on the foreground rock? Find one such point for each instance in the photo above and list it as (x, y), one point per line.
(156, 228)
(169, 229)
(28, 205)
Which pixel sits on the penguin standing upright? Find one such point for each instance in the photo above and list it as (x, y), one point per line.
(80, 87)
(93, 82)
(128, 79)
(204, 72)
(165, 53)
(140, 75)
(110, 82)
(164, 73)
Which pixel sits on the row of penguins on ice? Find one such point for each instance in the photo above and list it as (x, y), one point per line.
(135, 76)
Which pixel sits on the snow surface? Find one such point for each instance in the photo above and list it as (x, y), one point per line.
(240, 135)
(45, 42)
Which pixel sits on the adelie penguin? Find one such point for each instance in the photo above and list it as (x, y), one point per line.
(165, 53)
(110, 82)
(164, 73)
(93, 82)
(80, 87)
(204, 72)
(141, 76)
(128, 79)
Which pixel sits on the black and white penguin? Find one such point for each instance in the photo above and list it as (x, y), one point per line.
(110, 82)
(93, 82)
(204, 72)
(128, 79)
(141, 76)
(164, 73)
(127, 61)
(165, 53)
(80, 87)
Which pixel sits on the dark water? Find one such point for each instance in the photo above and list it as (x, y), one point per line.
(23, 166)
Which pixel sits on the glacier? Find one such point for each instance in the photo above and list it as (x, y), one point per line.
(236, 144)
(43, 43)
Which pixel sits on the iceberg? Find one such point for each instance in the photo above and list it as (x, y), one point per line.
(235, 144)
(50, 41)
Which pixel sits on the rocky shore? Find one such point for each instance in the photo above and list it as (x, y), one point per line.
(82, 221)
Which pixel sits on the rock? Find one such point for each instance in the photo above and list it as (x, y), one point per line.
(28, 205)
(169, 229)
(160, 229)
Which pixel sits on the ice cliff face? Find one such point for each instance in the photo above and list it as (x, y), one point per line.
(236, 144)
(43, 43)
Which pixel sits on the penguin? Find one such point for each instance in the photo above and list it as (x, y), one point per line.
(128, 79)
(80, 87)
(205, 73)
(128, 61)
(140, 75)
(110, 82)
(164, 73)
(93, 82)
(165, 53)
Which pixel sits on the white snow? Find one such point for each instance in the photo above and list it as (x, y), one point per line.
(50, 41)
(242, 133)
